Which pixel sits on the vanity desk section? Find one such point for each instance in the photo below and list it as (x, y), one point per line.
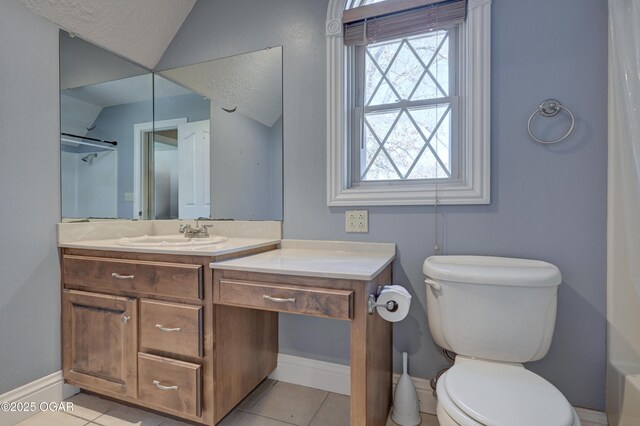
(318, 278)
(138, 325)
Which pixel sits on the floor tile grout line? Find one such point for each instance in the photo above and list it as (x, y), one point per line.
(271, 418)
(100, 416)
(280, 420)
(238, 419)
(264, 394)
(82, 418)
(319, 407)
(243, 413)
(248, 409)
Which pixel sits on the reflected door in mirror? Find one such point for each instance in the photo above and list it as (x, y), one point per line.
(194, 182)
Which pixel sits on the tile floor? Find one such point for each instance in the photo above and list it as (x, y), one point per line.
(270, 404)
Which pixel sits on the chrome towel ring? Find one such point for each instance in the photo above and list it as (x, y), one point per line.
(551, 108)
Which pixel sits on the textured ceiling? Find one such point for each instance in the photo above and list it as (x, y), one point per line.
(139, 30)
(252, 82)
(126, 91)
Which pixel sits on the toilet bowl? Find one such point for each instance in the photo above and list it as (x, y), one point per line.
(482, 393)
(495, 314)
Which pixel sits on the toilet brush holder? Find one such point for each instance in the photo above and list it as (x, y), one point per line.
(406, 406)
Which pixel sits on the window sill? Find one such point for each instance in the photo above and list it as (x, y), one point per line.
(409, 195)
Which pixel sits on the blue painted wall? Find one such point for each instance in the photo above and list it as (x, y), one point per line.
(548, 202)
(116, 123)
(30, 194)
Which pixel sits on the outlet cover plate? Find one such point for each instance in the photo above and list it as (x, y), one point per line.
(357, 221)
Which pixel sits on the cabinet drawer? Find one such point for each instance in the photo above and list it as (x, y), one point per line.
(322, 302)
(170, 384)
(171, 327)
(145, 277)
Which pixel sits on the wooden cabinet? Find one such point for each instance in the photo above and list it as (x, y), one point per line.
(100, 341)
(167, 333)
(141, 328)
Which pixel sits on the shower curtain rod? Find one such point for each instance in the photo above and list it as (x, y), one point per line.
(114, 143)
(71, 141)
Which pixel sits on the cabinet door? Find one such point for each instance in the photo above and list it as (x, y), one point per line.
(99, 338)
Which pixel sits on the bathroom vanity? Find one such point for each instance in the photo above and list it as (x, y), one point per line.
(140, 327)
(191, 331)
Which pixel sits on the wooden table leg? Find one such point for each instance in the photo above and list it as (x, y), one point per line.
(371, 358)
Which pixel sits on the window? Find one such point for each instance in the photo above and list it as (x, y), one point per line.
(408, 104)
(401, 125)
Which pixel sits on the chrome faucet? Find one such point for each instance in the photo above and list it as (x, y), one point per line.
(197, 232)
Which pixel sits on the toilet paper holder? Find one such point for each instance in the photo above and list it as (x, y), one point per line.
(372, 304)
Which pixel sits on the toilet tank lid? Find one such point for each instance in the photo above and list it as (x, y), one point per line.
(493, 270)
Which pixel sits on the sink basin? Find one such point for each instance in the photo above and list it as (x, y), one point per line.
(169, 241)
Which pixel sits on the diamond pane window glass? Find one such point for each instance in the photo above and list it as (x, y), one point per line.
(438, 151)
(435, 82)
(406, 109)
(378, 88)
(357, 3)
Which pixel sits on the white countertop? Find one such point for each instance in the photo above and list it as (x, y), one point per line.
(231, 245)
(72, 232)
(105, 235)
(325, 259)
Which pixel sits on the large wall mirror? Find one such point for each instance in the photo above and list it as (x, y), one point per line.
(204, 140)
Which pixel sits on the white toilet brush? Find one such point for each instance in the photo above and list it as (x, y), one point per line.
(406, 407)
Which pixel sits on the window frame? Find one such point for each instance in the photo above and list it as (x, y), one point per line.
(472, 186)
(355, 64)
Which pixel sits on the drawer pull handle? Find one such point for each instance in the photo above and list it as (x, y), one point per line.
(125, 318)
(122, 277)
(279, 299)
(161, 328)
(162, 387)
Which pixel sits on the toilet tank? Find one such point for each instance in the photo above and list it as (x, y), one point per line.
(494, 308)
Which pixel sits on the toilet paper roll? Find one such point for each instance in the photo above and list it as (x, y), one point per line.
(397, 294)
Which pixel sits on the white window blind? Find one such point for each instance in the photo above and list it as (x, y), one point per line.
(402, 18)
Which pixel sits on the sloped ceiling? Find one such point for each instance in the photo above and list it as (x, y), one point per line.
(139, 30)
(126, 91)
(252, 82)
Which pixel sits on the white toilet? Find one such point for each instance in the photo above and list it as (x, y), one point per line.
(495, 313)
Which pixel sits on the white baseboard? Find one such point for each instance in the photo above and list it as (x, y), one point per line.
(336, 378)
(312, 373)
(50, 388)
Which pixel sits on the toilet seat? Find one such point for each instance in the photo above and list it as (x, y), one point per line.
(475, 392)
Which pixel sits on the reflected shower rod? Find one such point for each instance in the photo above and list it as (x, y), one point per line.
(114, 143)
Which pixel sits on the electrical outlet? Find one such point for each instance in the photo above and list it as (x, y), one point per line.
(357, 221)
